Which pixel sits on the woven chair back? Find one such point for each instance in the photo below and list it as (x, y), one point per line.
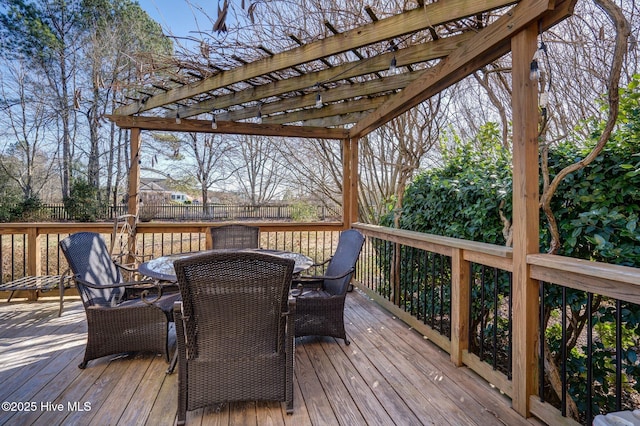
(89, 260)
(233, 304)
(235, 237)
(345, 258)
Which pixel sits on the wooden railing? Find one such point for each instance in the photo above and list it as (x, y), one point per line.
(456, 293)
(32, 248)
(196, 212)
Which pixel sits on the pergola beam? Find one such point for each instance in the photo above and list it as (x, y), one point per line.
(226, 127)
(328, 110)
(338, 94)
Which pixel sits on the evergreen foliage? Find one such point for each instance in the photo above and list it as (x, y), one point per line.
(83, 204)
(597, 207)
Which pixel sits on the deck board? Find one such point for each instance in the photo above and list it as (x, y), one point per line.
(389, 374)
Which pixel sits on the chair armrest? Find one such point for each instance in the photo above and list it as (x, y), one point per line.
(297, 292)
(129, 267)
(291, 305)
(321, 263)
(143, 285)
(116, 285)
(312, 278)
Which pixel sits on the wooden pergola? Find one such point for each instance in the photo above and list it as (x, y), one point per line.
(314, 91)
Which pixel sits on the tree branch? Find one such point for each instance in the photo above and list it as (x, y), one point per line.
(622, 34)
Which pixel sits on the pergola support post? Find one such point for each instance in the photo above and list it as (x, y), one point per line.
(133, 200)
(526, 232)
(350, 181)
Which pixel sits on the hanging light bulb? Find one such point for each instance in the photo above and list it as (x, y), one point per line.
(534, 73)
(544, 99)
(318, 100)
(393, 67)
(178, 121)
(259, 116)
(214, 122)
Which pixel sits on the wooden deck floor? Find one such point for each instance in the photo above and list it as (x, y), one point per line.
(388, 375)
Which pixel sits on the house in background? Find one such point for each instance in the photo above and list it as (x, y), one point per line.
(181, 197)
(156, 191)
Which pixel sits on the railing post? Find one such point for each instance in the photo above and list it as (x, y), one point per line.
(33, 252)
(34, 262)
(460, 299)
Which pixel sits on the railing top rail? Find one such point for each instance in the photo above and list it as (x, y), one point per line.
(623, 274)
(615, 281)
(148, 227)
(413, 238)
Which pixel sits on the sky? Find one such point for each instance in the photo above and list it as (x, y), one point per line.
(179, 17)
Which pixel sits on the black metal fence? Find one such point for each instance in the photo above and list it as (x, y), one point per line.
(193, 212)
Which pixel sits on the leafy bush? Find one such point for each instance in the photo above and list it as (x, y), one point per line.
(304, 212)
(82, 204)
(463, 198)
(26, 210)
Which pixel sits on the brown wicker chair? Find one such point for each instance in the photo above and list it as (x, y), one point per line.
(320, 298)
(234, 330)
(116, 322)
(235, 237)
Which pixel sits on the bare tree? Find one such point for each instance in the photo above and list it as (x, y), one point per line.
(258, 169)
(28, 156)
(315, 169)
(193, 157)
(392, 156)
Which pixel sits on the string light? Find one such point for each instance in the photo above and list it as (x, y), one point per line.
(259, 116)
(541, 57)
(318, 100)
(534, 74)
(178, 120)
(393, 67)
(214, 121)
(544, 100)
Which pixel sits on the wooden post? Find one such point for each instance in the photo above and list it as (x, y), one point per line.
(346, 183)
(134, 183)
(34, 261)
(460, 300)
(354, 181)
(526, 232)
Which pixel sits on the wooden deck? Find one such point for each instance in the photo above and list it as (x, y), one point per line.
(388, 375)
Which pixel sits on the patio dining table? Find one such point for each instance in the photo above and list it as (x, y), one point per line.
(161, 268)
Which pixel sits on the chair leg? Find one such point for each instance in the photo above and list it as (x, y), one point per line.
(174, 361)
(182, 405)
(61, 285)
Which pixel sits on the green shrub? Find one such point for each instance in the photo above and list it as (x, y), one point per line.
(82, 204)
(304, 212)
